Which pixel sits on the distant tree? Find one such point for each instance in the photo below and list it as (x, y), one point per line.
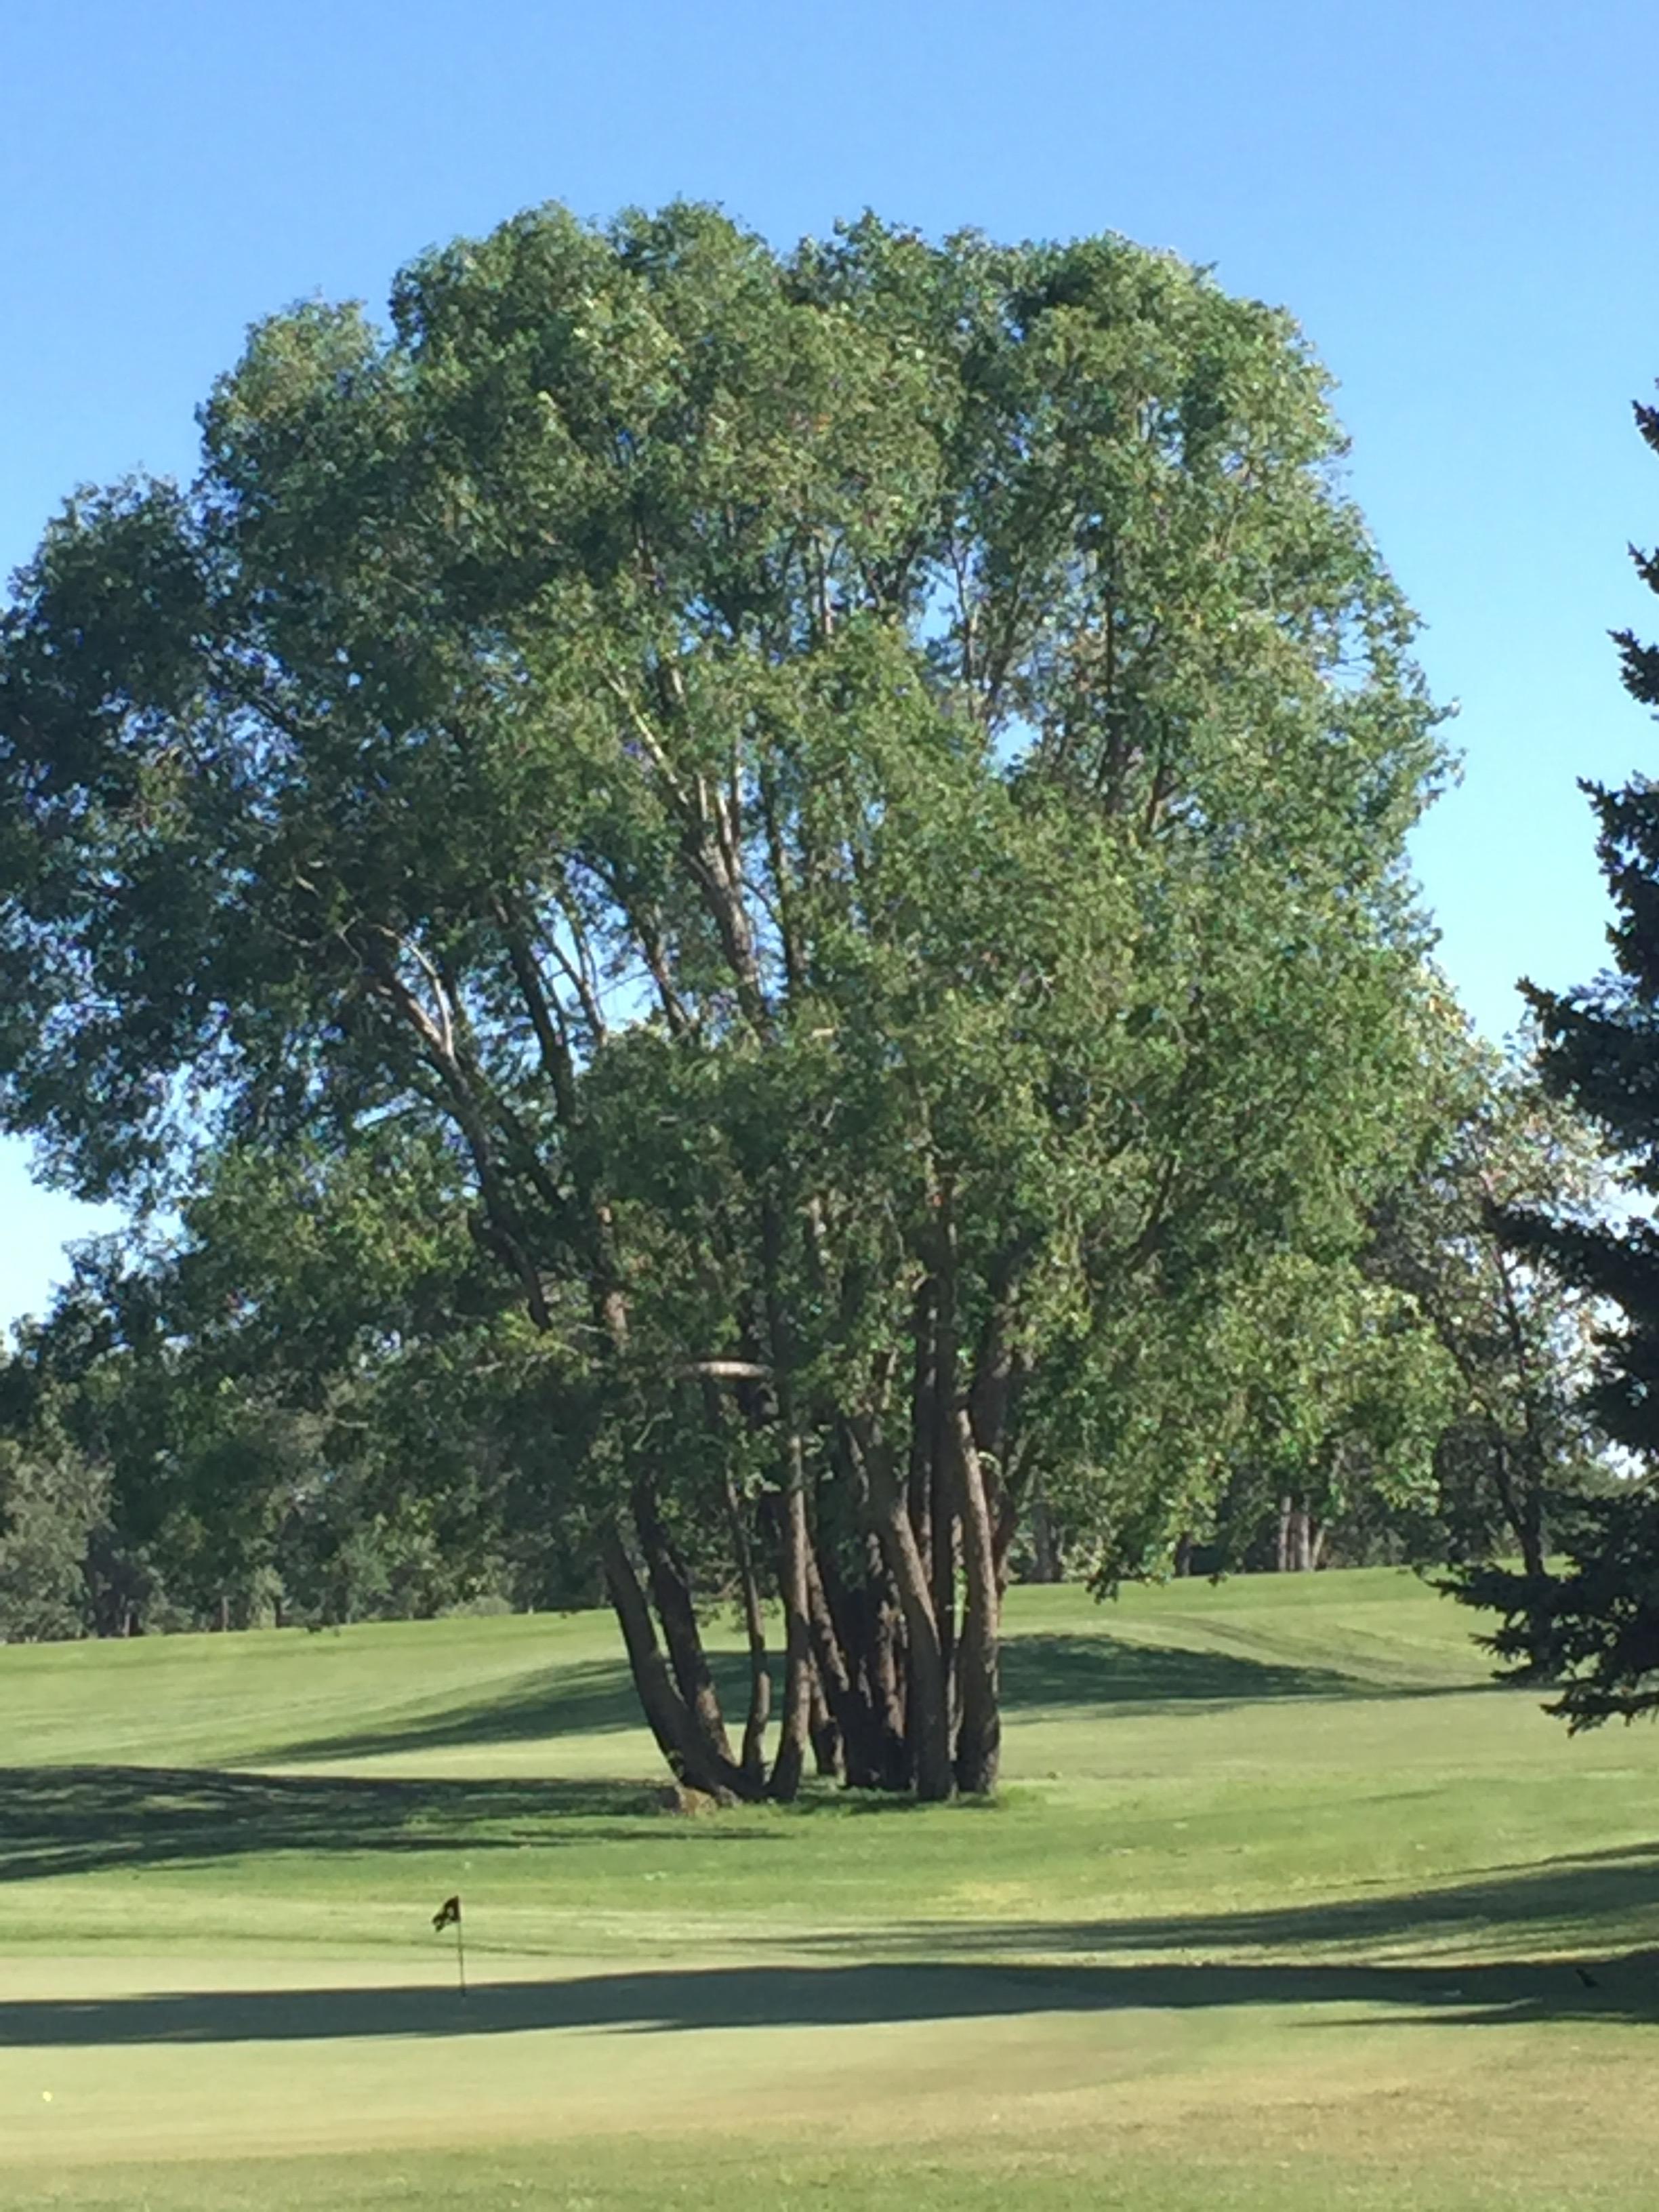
(53, 1504)
(1423, 1399)
(1516, 1338)
(1351, 1409)
(312, 1401)
(1594, 1626)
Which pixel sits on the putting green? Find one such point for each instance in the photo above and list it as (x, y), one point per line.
(1284, 1906)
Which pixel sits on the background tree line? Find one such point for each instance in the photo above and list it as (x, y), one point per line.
(751, 909)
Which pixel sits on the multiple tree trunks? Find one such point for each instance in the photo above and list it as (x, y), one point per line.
(543, 643)
(1301, 1539)
(890, 1676)
(692, 1758)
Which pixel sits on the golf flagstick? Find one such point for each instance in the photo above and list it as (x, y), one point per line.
(448, 1915)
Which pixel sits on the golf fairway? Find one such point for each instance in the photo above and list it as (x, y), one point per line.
(1283, 1905)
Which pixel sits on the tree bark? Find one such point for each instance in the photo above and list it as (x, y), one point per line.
(790, 1758)
(1301, 1532)
(760, 1678)
(681, 1742)
(864, 1628)
(928, 1684)
(671, 1589)
(1523, 1508)
(923, 1422)
(835, 1668)
(886, 1676)
(979, 1732)
(1047, 1565)
(829, 1753)
(943, 1493)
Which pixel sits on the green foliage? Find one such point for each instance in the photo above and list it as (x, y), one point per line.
(1517, 1340)
(306, 1403)
(51, 1504)
(1595, 1627)
(854, 801)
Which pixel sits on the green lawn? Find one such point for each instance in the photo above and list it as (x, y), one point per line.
(1282, 1907)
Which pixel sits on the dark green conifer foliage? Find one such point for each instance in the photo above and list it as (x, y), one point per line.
(1593, 1626)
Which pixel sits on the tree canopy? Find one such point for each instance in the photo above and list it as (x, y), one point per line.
(852, 803)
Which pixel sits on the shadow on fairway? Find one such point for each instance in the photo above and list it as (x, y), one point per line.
(78, 1819)
(592, 1696)
(1098, 1670)
(667, 2001)
(1037, 1671)
(1508, 1907)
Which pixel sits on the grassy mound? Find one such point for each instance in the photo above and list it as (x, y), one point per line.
(1283, 1905)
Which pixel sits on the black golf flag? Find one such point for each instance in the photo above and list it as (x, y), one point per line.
(448, 1915)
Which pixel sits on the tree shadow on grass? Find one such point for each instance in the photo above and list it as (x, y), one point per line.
(1504, 1907)
(82, 1820)
(667, 2000)
(1038, 1671)
(1099, 1670)
(593, 1697)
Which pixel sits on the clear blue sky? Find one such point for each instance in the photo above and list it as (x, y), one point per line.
(1456, 198)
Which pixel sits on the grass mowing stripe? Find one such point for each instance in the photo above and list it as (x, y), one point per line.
(1283, 1906)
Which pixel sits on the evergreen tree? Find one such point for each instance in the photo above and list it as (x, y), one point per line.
(1593, 1626)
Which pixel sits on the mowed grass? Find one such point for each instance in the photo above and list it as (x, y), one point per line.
(1283, 1906)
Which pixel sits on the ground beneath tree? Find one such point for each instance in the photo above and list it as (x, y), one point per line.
(1284, 1906)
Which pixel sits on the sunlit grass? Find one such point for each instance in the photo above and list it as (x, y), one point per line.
(1283, 1905)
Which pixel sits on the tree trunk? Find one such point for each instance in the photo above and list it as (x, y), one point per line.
(685, 1720)
(942, 1582)
(829, 1753)
(882, 1674)
(923, 1422)
(927, 1701)
(671, 1588)
(943, 1503)
(791, 1755)
(838, 1639)
(760, 1678)
(1523, 1510)
(979, 1734)
(1523, 1507)
(685, 1746)
(1301, 1547)
(1294, 1556)
(886, 1677)
(1047, 1565)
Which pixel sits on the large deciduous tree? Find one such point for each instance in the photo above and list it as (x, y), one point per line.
(860, 793)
